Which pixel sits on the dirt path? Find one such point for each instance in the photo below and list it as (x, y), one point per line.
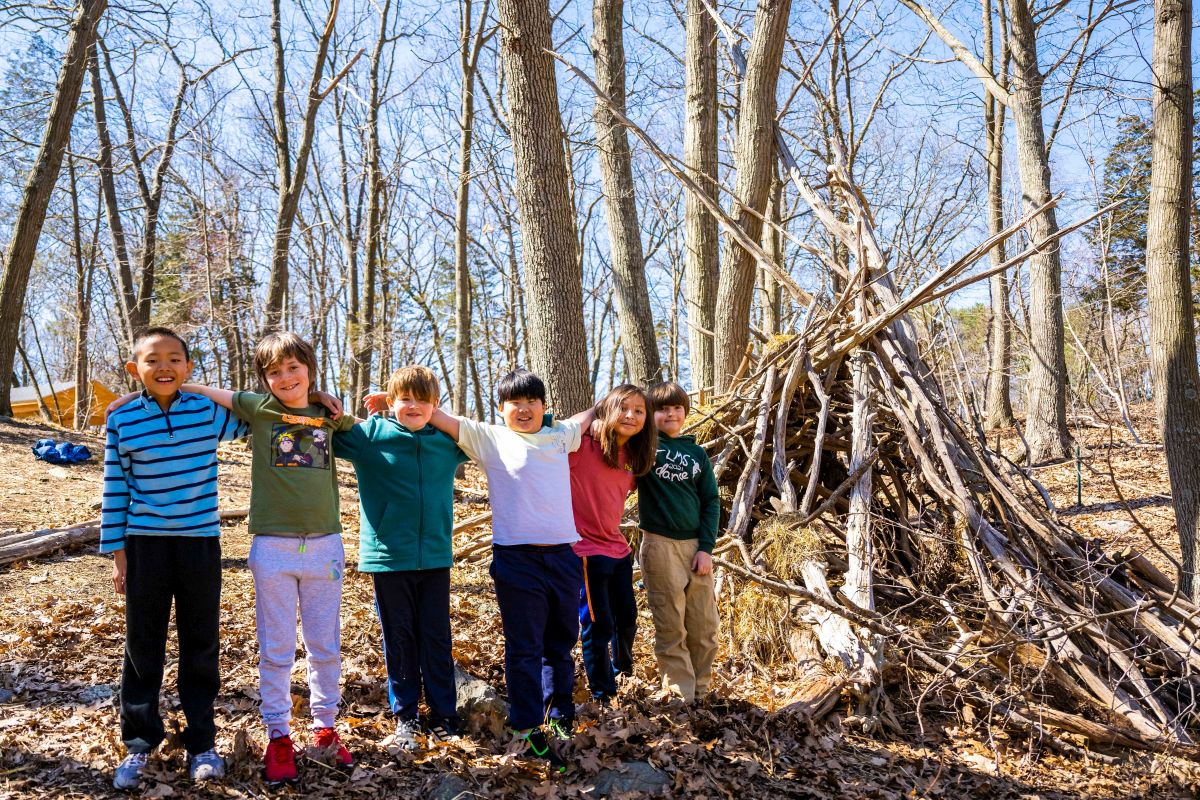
(62, 636)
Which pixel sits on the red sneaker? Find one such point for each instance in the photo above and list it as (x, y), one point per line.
(279, 763)
(326, 739)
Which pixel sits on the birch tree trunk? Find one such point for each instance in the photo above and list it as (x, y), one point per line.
(27, 228)
(1172, 317)
(1046, 425)
(700, 156)
(998, 407)
(553, 283)
(638, 341)
(754, 159)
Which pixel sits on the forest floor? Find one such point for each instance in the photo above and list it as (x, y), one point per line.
(61, 644)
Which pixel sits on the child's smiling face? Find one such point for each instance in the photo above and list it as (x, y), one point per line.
(630, 419)
(289, 381)
(669, 419)
(523, 414)
(410, 412)
(161, 365)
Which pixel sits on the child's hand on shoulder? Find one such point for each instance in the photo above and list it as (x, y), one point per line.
(332, 403)
(120, 401)
(702, 563)
(376, 402)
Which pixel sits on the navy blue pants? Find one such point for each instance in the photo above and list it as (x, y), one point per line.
(608, 620)
(537, 589)
(414, 613)
(159, 569)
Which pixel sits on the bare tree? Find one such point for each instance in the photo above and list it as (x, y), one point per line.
(754, 160)
(553, 282)
(616, 177)
(471, 45)
(1046, 429)
(700, 156)
(27, 228)
(291, 170)
(998, 409)
(1169, 286)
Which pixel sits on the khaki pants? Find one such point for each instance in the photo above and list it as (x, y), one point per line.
(685, 614)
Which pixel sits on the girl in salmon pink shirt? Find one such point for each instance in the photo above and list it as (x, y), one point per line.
(619, 448)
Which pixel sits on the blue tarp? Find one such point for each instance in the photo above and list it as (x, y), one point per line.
(61, 452)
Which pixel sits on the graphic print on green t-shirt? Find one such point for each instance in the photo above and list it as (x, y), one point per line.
(298, 445)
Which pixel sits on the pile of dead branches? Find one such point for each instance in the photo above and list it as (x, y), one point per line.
(901, 540)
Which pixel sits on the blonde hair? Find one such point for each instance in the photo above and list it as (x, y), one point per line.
(415, 380)
(278, 347)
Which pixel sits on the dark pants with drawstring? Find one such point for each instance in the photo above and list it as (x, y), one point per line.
(608, 621)
(537, 588)
(159, 570)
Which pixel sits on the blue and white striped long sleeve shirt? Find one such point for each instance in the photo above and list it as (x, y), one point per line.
(160, 468)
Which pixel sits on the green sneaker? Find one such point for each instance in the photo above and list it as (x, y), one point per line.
(562, 730)
(537, 747)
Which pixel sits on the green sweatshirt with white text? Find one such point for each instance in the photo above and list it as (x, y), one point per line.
(678, 498)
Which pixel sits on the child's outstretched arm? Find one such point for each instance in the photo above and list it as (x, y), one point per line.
(222, 397)
(446, 423)
(585, 419)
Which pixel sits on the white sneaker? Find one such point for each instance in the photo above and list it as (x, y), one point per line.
(406, 734)
(206, 766)
(129, 772)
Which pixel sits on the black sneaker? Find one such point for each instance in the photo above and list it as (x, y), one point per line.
(537, 747)
(561, 729)
(443, 730)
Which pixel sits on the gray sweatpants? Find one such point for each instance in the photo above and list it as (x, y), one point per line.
(306, 573)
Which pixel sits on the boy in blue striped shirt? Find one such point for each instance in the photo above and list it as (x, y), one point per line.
(159, 520)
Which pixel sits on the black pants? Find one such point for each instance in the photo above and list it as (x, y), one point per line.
(608, 617)
(160, 569)
(537, 589)
(414, 613)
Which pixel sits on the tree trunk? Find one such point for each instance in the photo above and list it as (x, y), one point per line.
(290, 174)
(83, 307)
(998, 409)
(754, 159)
(772, 242)
(468, 61)
(364, 343)
(700, 156)
(27, 228)
(553, 279)
(639, 343)
(1172, 317)
(1046, 425)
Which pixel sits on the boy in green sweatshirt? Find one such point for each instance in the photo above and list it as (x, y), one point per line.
(679, 510)
(405, 471)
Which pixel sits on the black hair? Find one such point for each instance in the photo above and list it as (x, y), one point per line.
(150, 333)
(520, 384)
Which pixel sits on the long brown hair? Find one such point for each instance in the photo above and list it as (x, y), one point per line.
(642, 447)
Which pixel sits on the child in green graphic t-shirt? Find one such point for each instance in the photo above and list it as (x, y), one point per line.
(297, 558)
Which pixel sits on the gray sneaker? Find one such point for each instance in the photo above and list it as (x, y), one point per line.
(406, 734)
(206, 766)
(129, 772)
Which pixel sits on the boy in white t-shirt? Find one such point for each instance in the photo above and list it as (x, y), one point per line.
(537, 575)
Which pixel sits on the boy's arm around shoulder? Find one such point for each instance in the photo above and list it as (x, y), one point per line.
(222, 397)
(351, 443)
(447, 424)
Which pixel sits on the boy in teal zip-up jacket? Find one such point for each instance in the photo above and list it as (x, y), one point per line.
(679, 512)
(405, 471)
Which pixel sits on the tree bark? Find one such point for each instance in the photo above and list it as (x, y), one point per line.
(83, 307)
(638, 341)
(1046, 426)
(1172, 316)
(27, 228)
(998, 406)
(772, 243)
(754, 159)
(553, 281)
(290, 173)
(700, 156)
(468, 63)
